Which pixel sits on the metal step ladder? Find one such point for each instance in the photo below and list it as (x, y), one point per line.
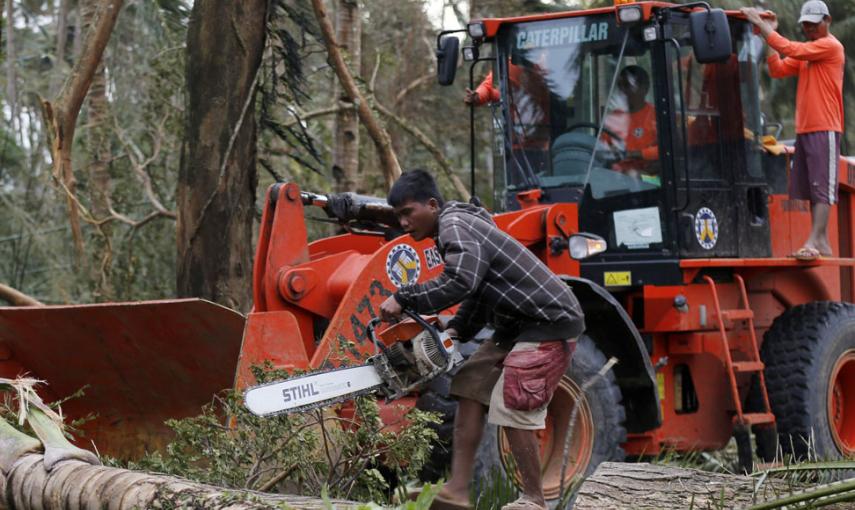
(742, 420)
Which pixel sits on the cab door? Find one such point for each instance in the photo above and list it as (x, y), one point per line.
(707, 149)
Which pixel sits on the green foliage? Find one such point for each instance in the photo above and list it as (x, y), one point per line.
(351, 457)
(495, 491)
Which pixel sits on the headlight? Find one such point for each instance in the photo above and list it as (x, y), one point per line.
(585, 245)
(650, 33)
(470, 53)
(476, 30)
(629, 14)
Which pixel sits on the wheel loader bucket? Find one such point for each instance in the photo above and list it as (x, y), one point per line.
(139, 364)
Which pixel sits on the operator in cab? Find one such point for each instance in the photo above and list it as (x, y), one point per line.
(536, 320)
(634, 121)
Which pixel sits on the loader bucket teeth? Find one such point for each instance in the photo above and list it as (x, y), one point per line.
(138, 363)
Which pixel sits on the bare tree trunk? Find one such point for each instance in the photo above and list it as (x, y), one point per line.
(99, 176)
(346, 149)
(11, 75)
(216, 186)
(378, 134)
(61, 42)
(61, 115)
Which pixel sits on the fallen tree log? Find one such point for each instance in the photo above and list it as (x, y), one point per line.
(638, 486)
(76, 485)
(49, 473)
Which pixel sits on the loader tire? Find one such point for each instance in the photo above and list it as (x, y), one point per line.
(809, 354)
(597, 435)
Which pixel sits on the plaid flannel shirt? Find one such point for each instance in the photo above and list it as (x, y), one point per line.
(496, 279)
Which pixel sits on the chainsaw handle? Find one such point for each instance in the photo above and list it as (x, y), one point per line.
(430, 328)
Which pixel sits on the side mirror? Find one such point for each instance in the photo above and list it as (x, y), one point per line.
(446, 60)
(710, 36)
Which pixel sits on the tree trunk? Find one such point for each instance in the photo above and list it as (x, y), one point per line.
(11, 75)
(216, 186)
(61, 43)
(101, 261)
(639, 486)
(346, 149)
(378, 134)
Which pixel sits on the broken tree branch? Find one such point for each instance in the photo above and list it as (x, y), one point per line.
(17, 298)
(388, 160)
(60, 116)
(437, 154)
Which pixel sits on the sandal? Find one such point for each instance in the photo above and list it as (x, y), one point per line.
(523, 503)
(806, 253)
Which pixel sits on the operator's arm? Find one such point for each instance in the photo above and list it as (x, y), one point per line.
(466, 264)
(483, 93)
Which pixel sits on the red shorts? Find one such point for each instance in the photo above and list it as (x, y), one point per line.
(816, 164)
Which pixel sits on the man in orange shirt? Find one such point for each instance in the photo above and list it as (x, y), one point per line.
(818, 63)
(636, 125)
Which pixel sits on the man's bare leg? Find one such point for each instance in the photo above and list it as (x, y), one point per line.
(526, 450)
(468, 429)
(818, 238)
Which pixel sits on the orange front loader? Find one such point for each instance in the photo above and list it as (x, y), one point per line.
(717, 331)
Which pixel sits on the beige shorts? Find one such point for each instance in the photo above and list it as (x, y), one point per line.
(481, 379)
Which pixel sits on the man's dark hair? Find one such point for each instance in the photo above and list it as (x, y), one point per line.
(636, 75)
(414, 185)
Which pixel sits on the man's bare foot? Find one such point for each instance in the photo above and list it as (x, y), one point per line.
(451, 499)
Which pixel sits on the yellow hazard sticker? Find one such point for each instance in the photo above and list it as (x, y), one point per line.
(617, 278)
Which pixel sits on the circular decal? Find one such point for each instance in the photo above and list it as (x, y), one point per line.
(638, 132)
(402, 265)
(706, 228)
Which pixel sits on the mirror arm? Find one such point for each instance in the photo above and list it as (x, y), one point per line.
(440, 35)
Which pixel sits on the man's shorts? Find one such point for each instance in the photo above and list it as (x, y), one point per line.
(815, 167)
(482, 378)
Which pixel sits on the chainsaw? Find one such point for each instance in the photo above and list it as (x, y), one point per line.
(417, 353)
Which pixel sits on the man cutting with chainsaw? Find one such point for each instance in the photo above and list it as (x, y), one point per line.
(535, 317)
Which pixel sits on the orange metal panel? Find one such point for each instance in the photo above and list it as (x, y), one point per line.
(774, 262)
(140, 363)
(492, 25)
(346, 335)
(270, 336)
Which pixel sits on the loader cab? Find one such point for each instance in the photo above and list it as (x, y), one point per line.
(662, 152)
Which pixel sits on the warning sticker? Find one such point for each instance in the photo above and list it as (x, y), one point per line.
(617, 278)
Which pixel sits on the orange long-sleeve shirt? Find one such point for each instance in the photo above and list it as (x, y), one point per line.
(819, 66)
